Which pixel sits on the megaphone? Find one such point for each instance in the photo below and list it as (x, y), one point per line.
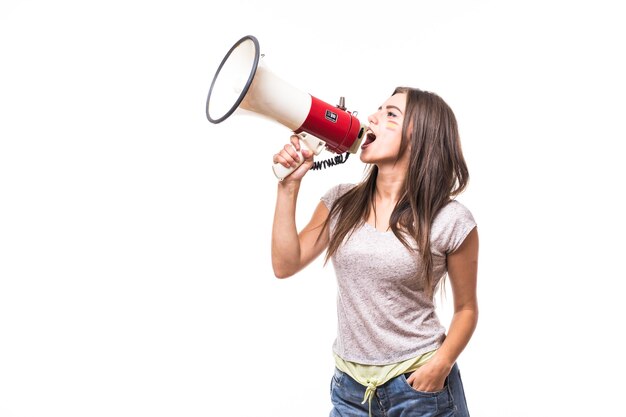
(243, 82)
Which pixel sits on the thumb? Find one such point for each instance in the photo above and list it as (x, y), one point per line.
(307, 163)
(307, 154)
(308, 158)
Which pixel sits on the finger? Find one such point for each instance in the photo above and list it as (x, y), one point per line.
(427, 387)
(278, 159)
(287, 157)
(295, 141)
(294, 161)
(292, 152)
(417, 385)
(410, 378)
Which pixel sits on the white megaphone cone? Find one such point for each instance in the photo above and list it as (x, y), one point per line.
(242, 82)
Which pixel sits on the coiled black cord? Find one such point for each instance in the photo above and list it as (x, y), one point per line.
(337, 160)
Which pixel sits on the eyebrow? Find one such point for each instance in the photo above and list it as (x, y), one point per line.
(392, 107)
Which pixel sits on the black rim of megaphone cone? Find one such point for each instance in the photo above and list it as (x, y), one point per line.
(247, 86)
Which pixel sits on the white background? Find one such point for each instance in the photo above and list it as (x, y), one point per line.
(135, 275)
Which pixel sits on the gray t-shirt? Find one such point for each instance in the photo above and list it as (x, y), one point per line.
(384, 316)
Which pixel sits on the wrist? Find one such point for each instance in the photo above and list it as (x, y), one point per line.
(442, 362)
(289, 186)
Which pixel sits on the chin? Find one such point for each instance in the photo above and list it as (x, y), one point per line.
(370, 157)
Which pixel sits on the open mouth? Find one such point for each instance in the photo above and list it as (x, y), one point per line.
(369, 138)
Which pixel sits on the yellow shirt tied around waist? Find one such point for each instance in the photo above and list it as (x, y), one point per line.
(373, 376)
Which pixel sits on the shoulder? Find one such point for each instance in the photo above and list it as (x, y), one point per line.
(335, 192)
(454, 210)
(451, 226)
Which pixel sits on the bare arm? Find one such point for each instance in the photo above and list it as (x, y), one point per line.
(292, 251)
(462, 270)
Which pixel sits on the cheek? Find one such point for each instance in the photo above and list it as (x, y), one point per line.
(393, 137)
(391, 133)
(391, 125)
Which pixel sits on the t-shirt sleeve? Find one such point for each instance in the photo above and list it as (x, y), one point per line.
(450, 228)
(334, 193)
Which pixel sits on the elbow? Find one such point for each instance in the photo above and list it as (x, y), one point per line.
(285, 266)
(281, 272)
(474, 318)
(468, 313)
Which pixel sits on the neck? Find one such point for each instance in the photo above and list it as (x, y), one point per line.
(389, 184)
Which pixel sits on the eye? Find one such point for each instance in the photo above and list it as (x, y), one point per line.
(391, 114)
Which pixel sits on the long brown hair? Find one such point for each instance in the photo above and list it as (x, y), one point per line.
(436, 173)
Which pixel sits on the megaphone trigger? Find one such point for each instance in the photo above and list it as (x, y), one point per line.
(315, 145)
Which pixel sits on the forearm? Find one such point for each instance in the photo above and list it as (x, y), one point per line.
(461, 329)
(285, 241)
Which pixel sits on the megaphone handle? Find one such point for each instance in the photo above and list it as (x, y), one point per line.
(312, 143)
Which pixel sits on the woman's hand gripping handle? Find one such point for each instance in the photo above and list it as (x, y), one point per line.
(290, 158)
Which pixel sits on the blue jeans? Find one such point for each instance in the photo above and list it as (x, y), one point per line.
(396, 398)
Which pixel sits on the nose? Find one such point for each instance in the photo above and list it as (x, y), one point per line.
(372, 118)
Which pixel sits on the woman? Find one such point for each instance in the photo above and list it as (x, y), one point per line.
(391, 239)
